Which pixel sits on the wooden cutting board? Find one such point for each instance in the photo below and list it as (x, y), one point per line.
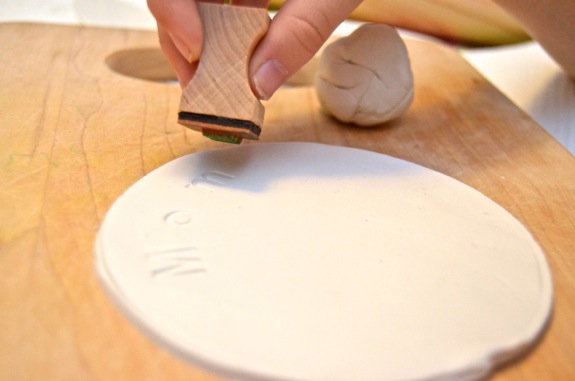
(75, 134)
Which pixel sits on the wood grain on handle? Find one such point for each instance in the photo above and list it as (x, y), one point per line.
(220, 90)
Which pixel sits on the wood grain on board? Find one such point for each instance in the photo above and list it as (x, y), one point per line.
(74, 135)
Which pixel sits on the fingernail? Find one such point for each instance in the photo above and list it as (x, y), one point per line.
(191, 54)
(269, 77)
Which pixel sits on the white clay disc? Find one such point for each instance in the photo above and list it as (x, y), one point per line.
(301, 261)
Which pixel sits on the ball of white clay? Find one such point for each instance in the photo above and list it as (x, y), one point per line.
(365, 78)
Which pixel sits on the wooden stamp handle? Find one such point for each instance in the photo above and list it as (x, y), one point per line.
(219, 99)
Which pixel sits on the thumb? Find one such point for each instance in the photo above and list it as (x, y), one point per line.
(295, 34)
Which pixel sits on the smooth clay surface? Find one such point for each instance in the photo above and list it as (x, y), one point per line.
(300, 261)
(365, 78)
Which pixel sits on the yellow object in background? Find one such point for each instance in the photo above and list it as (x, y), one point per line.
(471, 22)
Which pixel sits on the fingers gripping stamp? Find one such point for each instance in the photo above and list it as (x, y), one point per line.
(219, 101)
